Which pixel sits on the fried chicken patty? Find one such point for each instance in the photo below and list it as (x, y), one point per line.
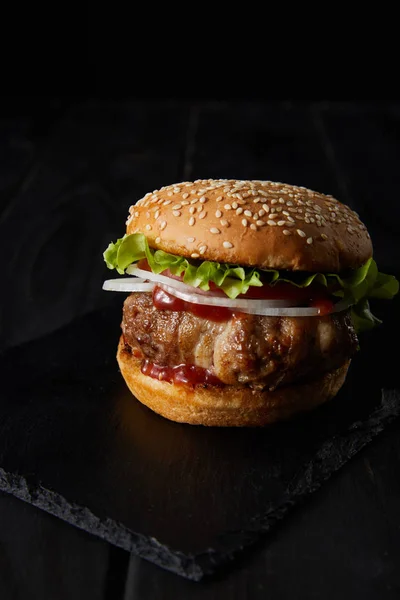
(258, 351)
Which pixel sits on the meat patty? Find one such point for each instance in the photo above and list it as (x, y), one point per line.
(259, 351)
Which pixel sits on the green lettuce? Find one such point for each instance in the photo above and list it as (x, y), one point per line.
(233, 280)
(355, 287)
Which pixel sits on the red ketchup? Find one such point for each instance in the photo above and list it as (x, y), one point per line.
(164, 301)
(314, 295)
(180, 374)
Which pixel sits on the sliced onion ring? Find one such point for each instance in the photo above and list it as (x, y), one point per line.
(134, 270)
(185, 292)
(192, 294)
(255, 307)
(157, 278)
(127, 284)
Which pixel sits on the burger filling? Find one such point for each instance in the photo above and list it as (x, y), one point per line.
(261, 352)
(211, 323)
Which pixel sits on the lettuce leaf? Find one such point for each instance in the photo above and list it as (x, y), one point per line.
(356, 287)
(233, 280)
(362, 317)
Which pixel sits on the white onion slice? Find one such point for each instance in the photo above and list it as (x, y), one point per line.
(278, 308)
(127, 284)
(255, 307)
(207, 298)
(172, 282)
(134, 270)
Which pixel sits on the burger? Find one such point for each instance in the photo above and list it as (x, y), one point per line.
(245, 299)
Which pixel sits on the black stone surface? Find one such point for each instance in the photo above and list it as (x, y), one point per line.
(75, 443)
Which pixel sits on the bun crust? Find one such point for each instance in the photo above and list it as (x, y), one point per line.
(228, 406)
(252, 223)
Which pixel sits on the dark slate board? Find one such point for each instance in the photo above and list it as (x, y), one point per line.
(74, 443)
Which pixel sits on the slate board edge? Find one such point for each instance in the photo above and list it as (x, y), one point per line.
(196, 567)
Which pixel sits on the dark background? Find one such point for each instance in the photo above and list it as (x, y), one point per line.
(89, 122)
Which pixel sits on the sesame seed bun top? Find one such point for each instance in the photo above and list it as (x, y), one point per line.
(252, 223)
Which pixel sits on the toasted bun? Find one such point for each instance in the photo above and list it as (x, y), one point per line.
(252, 223)
(227, 406)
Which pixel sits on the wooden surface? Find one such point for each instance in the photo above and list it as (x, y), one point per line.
(68, 173)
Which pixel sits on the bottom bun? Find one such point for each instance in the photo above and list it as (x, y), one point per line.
(226, 406)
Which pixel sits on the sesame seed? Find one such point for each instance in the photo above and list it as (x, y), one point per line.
(194, 201)
(214, 230)
(224, 223)
(192, 221)
(270, 222)
(301, 232)
(234, 205)
(177, 190)
(227, 245)
(248, 213)
(244, 222)
(147, 215)
(185, 195)
(253, 226)
(281, 223)
(218, 214)
(136, 214)
(158, 240)
(309, 240)
(156, 214)
(195, 255)
(192, 209)
(202, 214)
(191, 240)
(324, 236)
(239, 210)
(203, 199)
(273, 216)
(167, 202)
(176, 213)
(219, 198)
(260, 223)
(274, 201)
(177, 207)
(163, 225)
(290, 224)
(266, 207)
(227, 207)
(261, 213)
(281, 201)
(286, 232)
(202, 249)
(169, 194)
